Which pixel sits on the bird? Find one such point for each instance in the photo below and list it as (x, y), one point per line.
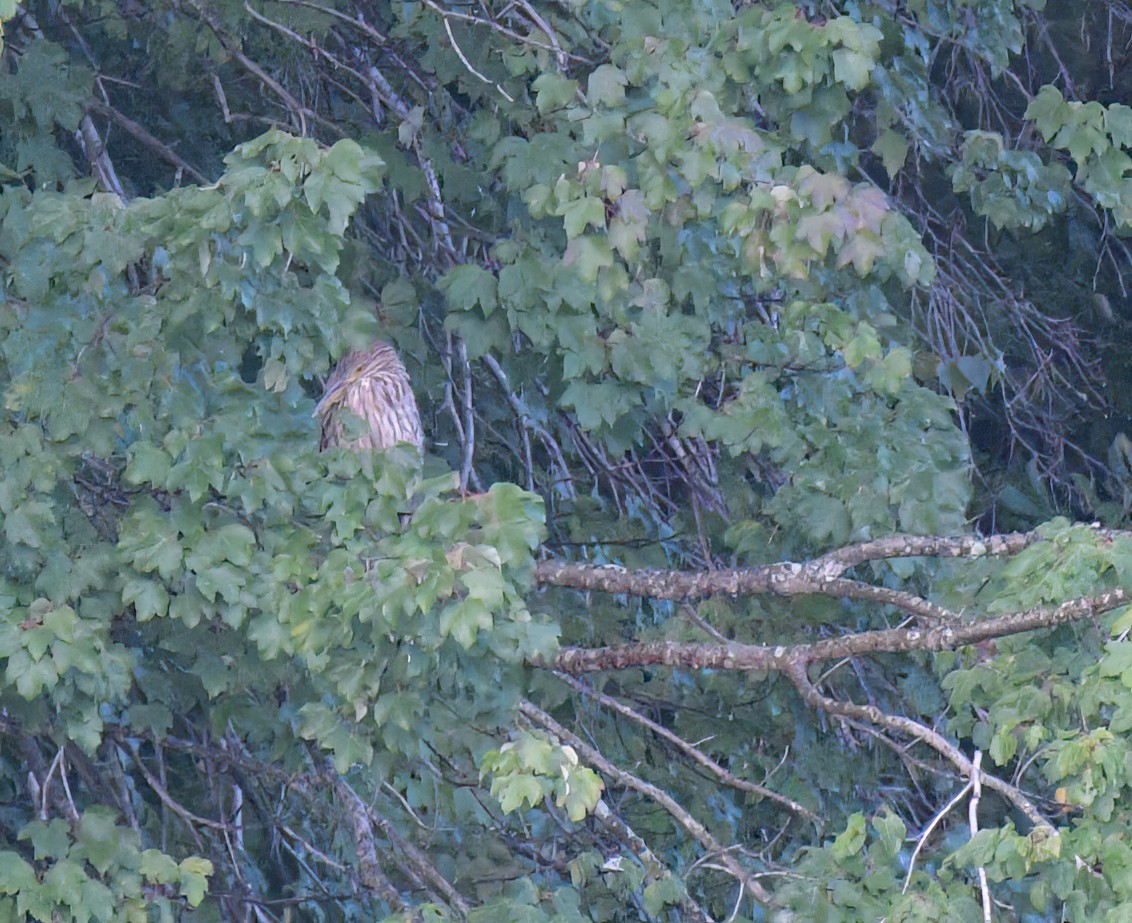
(373, 385)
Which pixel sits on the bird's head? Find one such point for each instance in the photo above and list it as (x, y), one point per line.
(363, 364)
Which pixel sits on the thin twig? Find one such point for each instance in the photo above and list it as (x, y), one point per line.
(627, 780)
(688, 749)
(300, 114)
(796, 671)
(973, 822)
(193, 820)
(931, 825)
(163, 150)
(463, 58)
(527, 422)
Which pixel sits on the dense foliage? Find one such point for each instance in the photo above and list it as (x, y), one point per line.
(687, 289)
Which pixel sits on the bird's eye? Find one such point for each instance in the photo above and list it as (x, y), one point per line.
(358, 370)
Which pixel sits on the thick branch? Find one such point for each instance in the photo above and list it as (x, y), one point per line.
(820, 575)
(779, 658)
(787, 579)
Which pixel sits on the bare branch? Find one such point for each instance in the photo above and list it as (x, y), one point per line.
(560, 55)
(411, 860)
(372, 875)
(786, 579)
(796, 670)
(933, 823)
(819, 576)
(300, 114)
(357, 21)
(973, 823)
(468, 449)
(192, 820)
(780, 658)
(694, 753)
(625, 779)
(463, 58)
(136, 131)
(563, 480)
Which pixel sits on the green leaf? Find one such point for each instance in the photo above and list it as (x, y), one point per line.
(100, 838)
(148, 597)
(467, 286)
(606, 86)
(553, 91)
(581, 793)
(851, 68)
(852, 839)
(16, 875)
(892, 831)
(1118, 124)
(97, 900)
(665, 892)
(49, 839)
(164, 556)
(194, 879)
(1048, 111)
(516, 790)
(147, 463)
(158, 867)
(155, 718)
(892, 148)
(233, 542)
(28, 524)
(465, 620)
(581, 214)
(587, 256)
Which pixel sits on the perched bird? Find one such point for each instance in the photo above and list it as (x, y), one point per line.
(373, 385)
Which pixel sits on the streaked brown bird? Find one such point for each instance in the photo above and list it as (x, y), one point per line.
(373, 385)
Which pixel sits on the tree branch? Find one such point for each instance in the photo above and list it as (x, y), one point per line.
(819, 575)
(694, 753)
(625, 779)
(779, 658)
(369, 866)
(300, 113)
(873, 715)
(136, 131)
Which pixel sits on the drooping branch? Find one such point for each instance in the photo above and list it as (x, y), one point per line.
(796, 671)
(140, 134)
(623, 779)
(302, 116)
(694, 753)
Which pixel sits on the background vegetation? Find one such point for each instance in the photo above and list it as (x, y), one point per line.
(708, 307)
